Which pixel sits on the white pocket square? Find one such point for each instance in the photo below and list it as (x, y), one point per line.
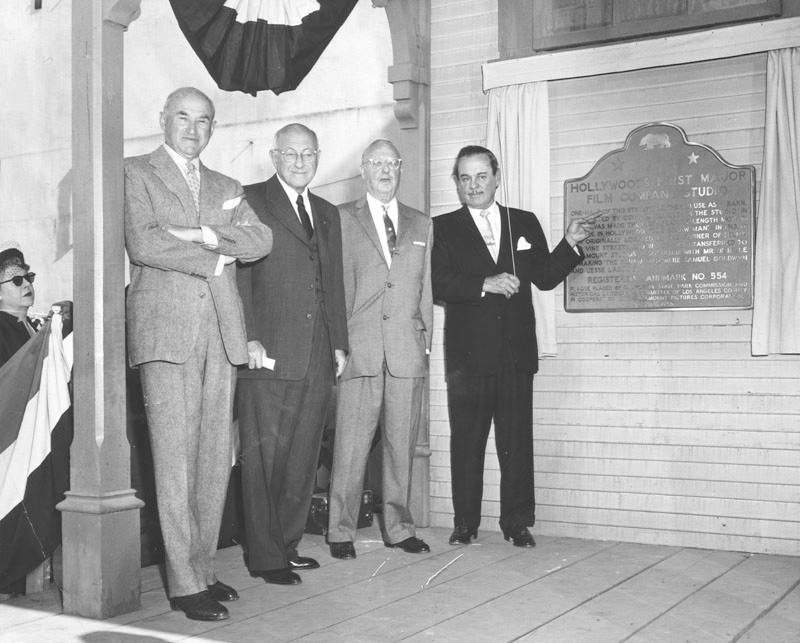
(522, 244)
(419, 243)
(232, 203)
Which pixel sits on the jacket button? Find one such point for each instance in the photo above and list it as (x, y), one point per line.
(389, 284)
(202, 294)
(386, 316)
(311, 286)
(308, 315)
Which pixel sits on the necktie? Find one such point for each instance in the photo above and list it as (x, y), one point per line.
(488, 234)
(193, 179)
(391, 236)
(304, 218)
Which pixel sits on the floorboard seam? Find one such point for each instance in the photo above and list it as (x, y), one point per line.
(607, 589)
(513, 589)
(685, 598)
(764, 612)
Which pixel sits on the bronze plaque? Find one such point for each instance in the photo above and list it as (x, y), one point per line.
(674, 227)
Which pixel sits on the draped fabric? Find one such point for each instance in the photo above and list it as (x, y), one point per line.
(776, 308)
(254, 45)
(519, 134)
(35, 434)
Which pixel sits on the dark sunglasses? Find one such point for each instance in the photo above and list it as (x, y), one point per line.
(17, 280)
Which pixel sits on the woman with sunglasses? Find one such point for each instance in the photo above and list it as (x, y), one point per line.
(16, 297)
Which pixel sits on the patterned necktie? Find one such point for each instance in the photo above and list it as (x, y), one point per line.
(391, 236)
(488, 234)
(193, 179)
(304, 218)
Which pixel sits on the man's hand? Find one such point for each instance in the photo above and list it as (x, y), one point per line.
(502, 284)
(191, 235)
(579, 229)
(341, 360)
(256, 355)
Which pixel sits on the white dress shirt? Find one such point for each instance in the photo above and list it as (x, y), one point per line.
(376, 210)
(291, 194)
(494, 221)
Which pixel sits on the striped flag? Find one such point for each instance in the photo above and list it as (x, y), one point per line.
(35, 434)
(253, 45)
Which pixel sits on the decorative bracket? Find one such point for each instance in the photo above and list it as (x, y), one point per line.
(121, 12)
(410, 73)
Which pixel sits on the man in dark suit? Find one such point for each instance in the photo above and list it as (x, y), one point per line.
(490, 342)
(297, 342)
(387, 285)
(185, 226)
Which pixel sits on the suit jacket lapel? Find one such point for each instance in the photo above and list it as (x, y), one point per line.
(404, 223)
(474, 235)
(504, 251)
(364, 218)
(172, 177)
(278, 203)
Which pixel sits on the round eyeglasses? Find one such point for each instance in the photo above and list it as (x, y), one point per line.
(379, 164)
(17, 279)
(291, 155)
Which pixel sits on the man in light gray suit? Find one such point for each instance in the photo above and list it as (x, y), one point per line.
(185, 226)
(387, 282)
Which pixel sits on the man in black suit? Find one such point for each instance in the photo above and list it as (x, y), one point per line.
(297, 341)
(490, 342)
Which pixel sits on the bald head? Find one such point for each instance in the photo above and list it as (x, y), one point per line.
(295, 154)
(380, 169)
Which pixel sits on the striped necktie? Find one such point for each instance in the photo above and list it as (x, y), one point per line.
(193, 179)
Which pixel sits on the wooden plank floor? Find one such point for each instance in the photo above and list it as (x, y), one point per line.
(563, 590)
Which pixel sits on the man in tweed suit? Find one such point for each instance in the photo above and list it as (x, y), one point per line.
(185, 226)
(387, 284)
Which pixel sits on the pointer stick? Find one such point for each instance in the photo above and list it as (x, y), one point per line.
(508, 217)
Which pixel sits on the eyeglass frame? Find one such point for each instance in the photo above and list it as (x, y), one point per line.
(379, 164)
(297, 155)
(28, 276)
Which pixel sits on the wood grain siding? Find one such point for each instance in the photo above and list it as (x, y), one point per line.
(660, 426)
(654, 427)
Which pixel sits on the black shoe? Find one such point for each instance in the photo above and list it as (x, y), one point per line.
(219, 591)
(519, 536)
(281, 576)
(302, 562)
(343, 550)
(463, 535)
(199, 607)
(411, 545)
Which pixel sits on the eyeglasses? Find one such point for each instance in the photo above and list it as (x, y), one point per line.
(379, 164)
(17, 279)
(290, 155)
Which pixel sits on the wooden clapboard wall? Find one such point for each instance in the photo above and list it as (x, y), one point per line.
(653, 426)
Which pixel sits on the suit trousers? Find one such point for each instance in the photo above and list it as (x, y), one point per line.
(189, 408)
(281, 424)
(473, 401)
(363, 402)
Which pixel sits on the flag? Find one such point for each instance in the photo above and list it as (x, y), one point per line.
(253, 45)
(35, 434)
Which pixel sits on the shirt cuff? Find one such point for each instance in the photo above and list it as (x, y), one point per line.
(220, 265)
(210, 240)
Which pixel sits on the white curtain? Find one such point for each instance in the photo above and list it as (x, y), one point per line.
(776, 309)
(519, 134)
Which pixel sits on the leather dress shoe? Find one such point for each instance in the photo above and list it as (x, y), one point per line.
(281, 576)
(519, 536)
(411, 545)
(199, 607)
(302, 562)
(343, 550)
(219, 591)
(463, 535)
